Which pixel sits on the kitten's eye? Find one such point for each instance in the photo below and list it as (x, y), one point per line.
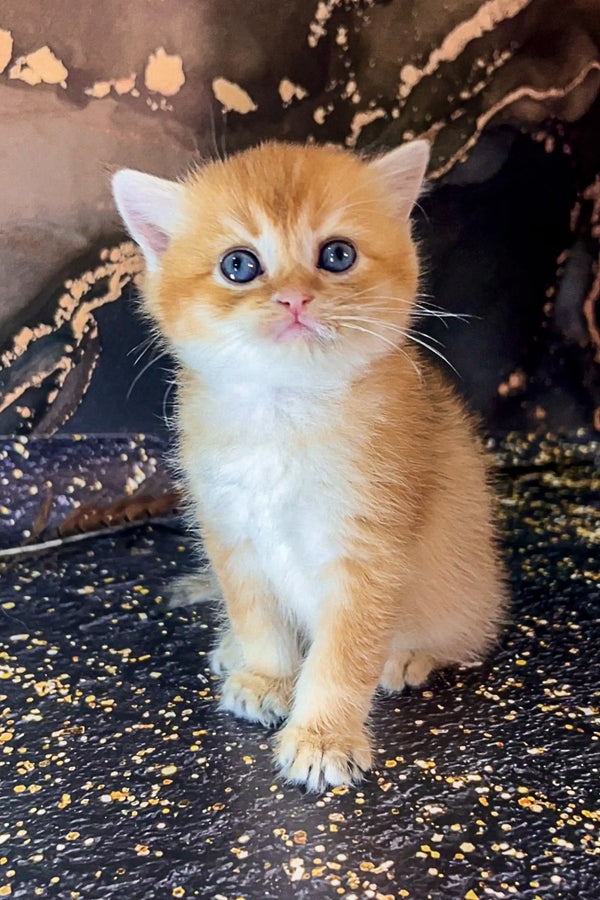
(240, 265)
(336, 256)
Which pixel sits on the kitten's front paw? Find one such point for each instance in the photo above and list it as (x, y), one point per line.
(257, 697)
(320, 759)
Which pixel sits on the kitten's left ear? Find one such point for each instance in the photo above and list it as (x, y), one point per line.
(151, 210)
(403, 170)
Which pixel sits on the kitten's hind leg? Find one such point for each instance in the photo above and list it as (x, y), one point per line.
(196, 588)
(406, 667)
(257, 697)
(227, 655)
(259, 655)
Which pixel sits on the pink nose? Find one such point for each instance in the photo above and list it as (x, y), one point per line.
(294, 299)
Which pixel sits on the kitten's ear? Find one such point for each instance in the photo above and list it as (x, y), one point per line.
(150, 208)
(403, 170)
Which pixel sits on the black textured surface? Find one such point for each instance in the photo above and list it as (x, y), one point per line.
(120, 777)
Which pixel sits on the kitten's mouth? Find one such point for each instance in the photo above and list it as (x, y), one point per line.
(294, 328)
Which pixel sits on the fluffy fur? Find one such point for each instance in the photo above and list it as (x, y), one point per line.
(337, 480)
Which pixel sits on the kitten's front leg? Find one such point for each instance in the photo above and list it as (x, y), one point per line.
(325, 741)
(259, 651)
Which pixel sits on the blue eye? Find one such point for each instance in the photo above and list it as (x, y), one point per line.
(241, 266)
(337, 256)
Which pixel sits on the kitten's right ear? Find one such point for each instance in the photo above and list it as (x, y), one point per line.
(150, 208)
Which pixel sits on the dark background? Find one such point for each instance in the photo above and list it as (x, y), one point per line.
(507, 94)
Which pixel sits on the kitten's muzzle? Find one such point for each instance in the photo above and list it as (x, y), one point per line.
(295, 300)
(300, 322)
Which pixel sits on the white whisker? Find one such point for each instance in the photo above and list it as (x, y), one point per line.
(416, 336)
(421, 308)
(148, 365)
(411, 337)
(354, 327)
(144, 346)
(392, 326)
(151, 343)
(166, 394)
(213, 136)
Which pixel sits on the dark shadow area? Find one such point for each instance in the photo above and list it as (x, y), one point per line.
(131, 389)
(491, 242)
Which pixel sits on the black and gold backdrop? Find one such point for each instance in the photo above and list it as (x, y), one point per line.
(506, 91)
(120, 777)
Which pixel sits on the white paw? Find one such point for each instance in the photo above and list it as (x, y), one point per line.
(256, 697)
(318, 759)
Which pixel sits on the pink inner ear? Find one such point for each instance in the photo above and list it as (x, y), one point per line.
(155, 237)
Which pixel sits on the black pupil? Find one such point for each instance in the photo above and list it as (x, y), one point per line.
(337, 256)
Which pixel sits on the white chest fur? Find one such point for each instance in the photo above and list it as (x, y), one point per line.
(275, 480)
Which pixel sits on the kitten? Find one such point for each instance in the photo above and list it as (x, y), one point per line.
(338, 483)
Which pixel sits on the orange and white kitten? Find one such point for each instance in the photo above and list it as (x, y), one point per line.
(337, 480)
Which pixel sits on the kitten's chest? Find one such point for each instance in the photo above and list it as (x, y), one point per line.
(268, 491)
(279, 488)
(276, 483)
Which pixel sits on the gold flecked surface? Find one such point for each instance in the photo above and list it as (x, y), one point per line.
(120, 777)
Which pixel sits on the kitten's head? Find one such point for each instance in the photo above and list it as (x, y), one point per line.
(281, 255)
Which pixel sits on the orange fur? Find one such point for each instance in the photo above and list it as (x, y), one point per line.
(344, 453)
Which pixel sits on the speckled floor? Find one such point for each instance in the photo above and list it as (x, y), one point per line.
(120, 777)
